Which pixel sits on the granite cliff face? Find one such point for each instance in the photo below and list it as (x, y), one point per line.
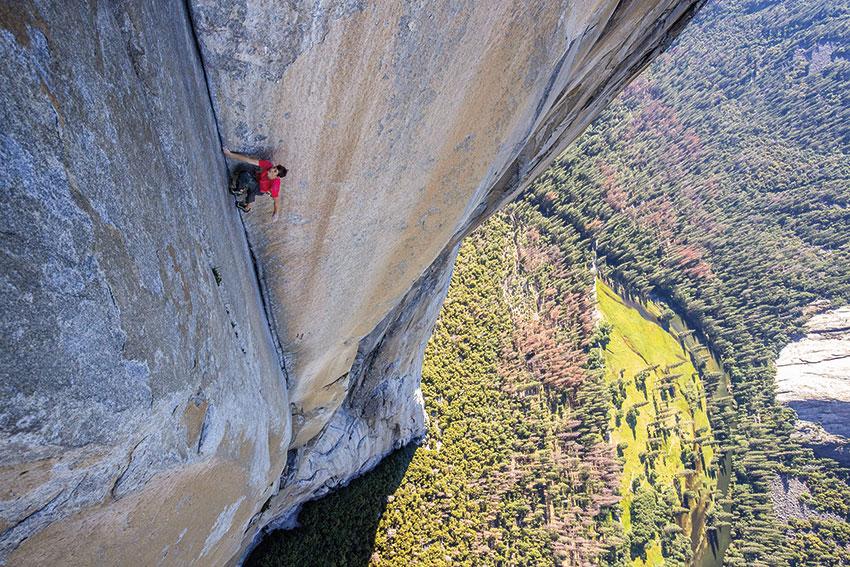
(169, 386)
(813, 378)
(143, 406)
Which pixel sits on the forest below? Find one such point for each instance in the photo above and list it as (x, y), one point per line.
(568, 427)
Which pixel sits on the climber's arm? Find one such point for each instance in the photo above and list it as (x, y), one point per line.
(240, 157)
(274, 212)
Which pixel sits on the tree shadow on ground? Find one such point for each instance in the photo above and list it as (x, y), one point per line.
(339, 529)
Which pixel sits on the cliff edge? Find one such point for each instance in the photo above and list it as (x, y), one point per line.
(813, 378)
(175, 378)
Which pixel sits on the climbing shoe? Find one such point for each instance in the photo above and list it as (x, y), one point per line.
(233, 186)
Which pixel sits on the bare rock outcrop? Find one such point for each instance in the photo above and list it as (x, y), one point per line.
(788, 495)
(169, 386)
(813, 378)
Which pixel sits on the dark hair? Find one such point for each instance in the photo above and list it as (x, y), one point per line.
(281, 171)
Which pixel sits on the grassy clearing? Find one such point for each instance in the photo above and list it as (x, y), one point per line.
(659, 425)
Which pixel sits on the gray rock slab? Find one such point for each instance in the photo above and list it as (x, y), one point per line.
(403, 125)
(813, 378)
(122, 361)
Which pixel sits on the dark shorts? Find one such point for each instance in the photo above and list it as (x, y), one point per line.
(246, 182)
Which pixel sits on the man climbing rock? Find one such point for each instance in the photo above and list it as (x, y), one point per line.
(251, 184)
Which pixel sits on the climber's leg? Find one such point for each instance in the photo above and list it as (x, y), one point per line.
(244, 181)
(233, 184)
(251, 189)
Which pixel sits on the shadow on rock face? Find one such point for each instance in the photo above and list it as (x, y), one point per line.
(340, 528)
(832, 415)
(825, 427)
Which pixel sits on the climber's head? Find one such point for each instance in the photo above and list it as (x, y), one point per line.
(276, 171)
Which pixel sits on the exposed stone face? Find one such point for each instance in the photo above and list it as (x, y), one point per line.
(145, 415)
(403, 125)
(383, 410)
(813, 378)
(139, 398)
(787, 495)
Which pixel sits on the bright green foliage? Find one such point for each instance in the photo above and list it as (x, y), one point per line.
(669, 477)
(823, 542)
(648, 516)
(720, 181)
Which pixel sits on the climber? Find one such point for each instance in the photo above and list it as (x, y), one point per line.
(251, 184)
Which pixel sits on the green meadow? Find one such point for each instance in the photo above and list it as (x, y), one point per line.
(661, 430)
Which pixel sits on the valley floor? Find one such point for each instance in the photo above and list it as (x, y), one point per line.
(661, 428)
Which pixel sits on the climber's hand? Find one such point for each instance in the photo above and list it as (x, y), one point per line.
(274, 216)
(225, 149)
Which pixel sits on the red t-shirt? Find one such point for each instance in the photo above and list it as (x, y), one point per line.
(268, 185)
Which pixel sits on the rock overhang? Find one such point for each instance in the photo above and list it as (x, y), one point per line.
(404, 126)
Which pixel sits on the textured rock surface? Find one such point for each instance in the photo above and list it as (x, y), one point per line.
(786, 493)
(813, 378)
(403, 125)
(145, 415)
(383, 409)
(143, 406)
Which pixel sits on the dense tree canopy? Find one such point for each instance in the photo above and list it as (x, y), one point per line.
(720, 181)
